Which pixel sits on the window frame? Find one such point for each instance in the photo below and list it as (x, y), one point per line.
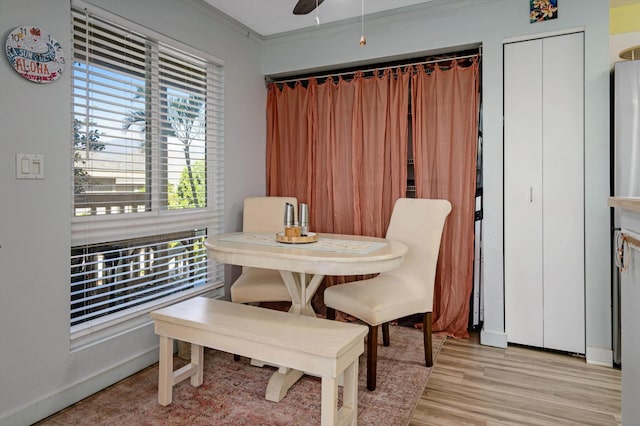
(96, 229)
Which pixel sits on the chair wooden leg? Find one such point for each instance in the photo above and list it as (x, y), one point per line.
(385, 334)
(426, 327)
(372, 357)
(331, 313)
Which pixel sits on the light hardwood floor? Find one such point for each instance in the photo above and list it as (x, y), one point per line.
(473, 384)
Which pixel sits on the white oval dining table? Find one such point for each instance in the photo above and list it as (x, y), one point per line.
(302, 267)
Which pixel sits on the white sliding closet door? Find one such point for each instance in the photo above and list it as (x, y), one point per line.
(563, 189)
(523, 192)
(544, 192)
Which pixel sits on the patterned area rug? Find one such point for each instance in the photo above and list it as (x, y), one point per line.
(233, 393)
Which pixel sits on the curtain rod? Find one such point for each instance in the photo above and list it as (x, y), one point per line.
(433, 61)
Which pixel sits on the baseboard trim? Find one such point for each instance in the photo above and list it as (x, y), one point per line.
(599, 356)
(497, 339)
(52, 403)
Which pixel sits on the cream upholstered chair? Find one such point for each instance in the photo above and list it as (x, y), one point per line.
(408, 290)
(262, 214)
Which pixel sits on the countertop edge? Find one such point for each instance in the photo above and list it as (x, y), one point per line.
(625, 203)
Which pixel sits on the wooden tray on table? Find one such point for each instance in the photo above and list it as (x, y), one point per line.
(311, 237)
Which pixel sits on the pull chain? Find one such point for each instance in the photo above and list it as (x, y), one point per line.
(363, 41)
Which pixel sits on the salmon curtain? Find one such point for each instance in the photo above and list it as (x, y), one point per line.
(290, 126)
(341, 147)
(445, 106)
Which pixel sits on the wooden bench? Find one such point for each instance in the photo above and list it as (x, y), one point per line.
(315, 346)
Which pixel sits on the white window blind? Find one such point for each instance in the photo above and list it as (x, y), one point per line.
(120, 275)
(148, 173)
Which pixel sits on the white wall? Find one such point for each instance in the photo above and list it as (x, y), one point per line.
(38, 373)
(620, 42)
(492, 22)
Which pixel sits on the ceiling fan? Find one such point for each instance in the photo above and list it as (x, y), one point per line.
(305, 6)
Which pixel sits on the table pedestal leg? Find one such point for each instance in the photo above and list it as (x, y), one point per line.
(280, 383)
(301, 287)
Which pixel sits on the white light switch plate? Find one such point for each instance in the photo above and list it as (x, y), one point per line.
(29, 166)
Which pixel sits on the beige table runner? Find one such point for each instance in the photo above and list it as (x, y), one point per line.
(323, 244)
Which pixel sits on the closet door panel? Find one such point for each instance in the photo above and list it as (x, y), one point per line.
(563, 189)
(523, 186)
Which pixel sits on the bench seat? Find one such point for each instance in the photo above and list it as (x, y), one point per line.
(311, 345)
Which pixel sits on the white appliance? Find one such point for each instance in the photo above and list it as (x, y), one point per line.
(625, 173)
(626, 183)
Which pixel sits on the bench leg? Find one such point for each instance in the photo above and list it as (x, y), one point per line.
(329, 402)
(349, 410)
(165, 368)
(197, 361)
(347, 415)
(167, 377)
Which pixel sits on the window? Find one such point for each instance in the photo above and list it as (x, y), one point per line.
(147, 151)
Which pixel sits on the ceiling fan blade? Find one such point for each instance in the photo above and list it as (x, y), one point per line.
(305, 6)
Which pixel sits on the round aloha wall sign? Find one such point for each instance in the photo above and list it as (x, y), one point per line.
(34, 54)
